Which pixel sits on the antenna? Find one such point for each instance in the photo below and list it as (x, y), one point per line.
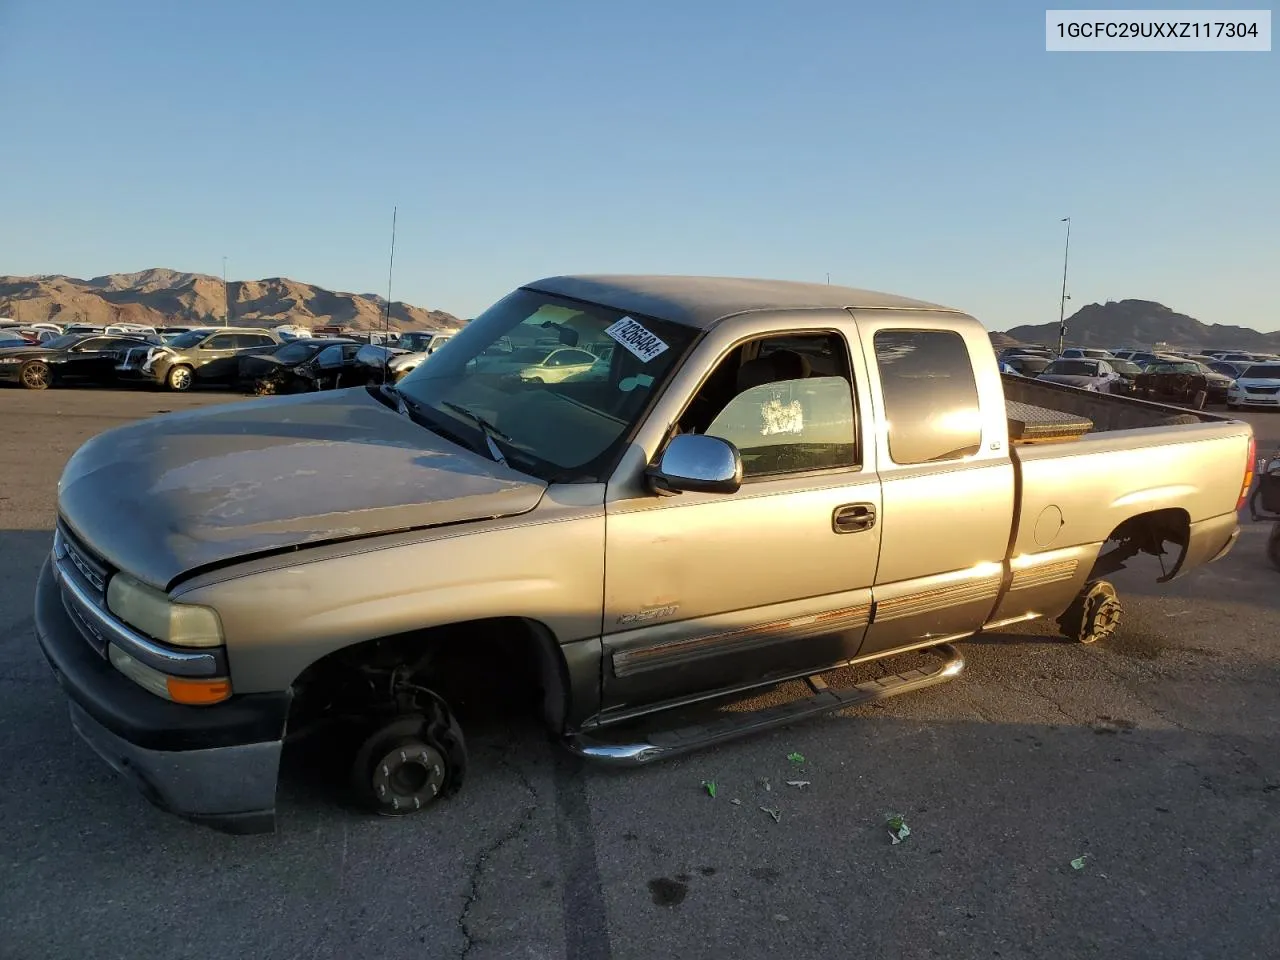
(386, 327)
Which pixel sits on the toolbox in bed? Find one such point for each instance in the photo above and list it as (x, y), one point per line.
(1031, 424)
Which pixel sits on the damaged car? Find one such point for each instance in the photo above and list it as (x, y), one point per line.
(1172, 380)
(300, 366)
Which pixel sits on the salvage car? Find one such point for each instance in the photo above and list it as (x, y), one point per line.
(83, 357)
(1097, 375)
(1181, 381)
(394, 360)
(302, 365)
(209, 355)
(741, 501)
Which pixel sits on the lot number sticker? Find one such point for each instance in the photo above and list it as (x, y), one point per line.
(636, 338)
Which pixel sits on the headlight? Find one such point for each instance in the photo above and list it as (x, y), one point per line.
(153, 613)
(10, 359)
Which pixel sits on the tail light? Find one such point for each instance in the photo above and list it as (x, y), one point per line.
(1249, 463)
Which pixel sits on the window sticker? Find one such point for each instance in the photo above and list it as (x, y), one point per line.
(636, 338)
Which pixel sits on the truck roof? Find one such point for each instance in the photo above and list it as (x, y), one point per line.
(702, 301)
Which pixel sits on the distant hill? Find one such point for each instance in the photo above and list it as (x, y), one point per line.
(161, 296)
(1143, 323)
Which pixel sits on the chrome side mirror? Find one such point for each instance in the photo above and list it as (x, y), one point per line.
(696, 463)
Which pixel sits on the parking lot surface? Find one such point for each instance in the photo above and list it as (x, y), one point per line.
(1154, 757)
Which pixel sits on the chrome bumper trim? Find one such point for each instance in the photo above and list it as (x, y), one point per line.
(108, 629)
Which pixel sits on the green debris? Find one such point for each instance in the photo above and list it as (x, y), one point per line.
(710, 786)
(898, 829)
(1078, 862)
(776, 814)
(796, 758)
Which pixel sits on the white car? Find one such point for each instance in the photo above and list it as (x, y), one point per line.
(1256, 386)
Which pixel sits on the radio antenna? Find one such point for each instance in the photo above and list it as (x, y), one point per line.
(386, 327)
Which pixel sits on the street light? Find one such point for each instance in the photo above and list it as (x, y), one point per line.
(226, 297)
(1062, 306)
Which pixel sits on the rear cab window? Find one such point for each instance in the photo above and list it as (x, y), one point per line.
(930, 395)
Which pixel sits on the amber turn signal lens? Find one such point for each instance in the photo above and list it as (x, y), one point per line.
(197, 692)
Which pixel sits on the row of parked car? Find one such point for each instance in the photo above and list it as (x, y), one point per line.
(279, 360)
(1233, 378)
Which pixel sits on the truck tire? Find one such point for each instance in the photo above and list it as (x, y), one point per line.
(1093, 615)
(409, 763)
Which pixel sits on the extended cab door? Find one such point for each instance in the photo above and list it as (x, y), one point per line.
(946, 476)
(707, 591)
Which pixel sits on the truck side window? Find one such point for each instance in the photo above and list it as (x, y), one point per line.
(930, 395)
(786, 403)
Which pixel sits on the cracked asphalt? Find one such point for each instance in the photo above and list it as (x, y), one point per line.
(1154, 757)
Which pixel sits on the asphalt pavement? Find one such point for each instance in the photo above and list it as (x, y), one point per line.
(1152, 761)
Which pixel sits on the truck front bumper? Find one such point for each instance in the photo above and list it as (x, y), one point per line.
(215, 765)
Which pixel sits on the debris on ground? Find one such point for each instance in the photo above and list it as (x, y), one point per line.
(796, 758)
(736, 802)
(710, 786)
(898, 829)
(764, 782)
(798, 783)
(776, 814)
(1078, 862)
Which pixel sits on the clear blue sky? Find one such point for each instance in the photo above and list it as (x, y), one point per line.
(928, 149)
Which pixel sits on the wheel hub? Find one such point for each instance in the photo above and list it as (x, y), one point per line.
(1103, 618)
(407, 778)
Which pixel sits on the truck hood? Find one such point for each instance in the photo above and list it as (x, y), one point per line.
(189, 490)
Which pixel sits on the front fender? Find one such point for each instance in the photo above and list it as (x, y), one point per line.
(548, 568)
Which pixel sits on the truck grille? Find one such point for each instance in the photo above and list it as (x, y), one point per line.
(90, 573)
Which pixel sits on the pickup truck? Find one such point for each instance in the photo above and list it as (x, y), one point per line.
(763, 481)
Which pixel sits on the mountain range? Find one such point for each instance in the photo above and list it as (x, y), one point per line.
(1142, 324)
(160, 296)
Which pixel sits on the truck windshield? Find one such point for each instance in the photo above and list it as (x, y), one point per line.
(537, 376)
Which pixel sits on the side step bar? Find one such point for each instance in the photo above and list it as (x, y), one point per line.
(662, 744)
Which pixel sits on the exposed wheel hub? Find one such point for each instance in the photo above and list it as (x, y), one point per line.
(407, 778)
(1103, 618)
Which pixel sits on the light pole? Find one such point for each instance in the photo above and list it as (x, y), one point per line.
(1062, 306)
(226, 297)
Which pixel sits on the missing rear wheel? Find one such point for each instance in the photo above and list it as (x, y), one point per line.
(1093, 615)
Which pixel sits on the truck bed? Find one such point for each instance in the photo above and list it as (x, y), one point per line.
(1043, 412)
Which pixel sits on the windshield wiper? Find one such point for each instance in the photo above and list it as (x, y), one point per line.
(491, 433)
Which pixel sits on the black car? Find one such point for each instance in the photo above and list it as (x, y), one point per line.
(317, 363)
(83, 357)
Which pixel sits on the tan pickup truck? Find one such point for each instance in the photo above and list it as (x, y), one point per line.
(757, 481)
